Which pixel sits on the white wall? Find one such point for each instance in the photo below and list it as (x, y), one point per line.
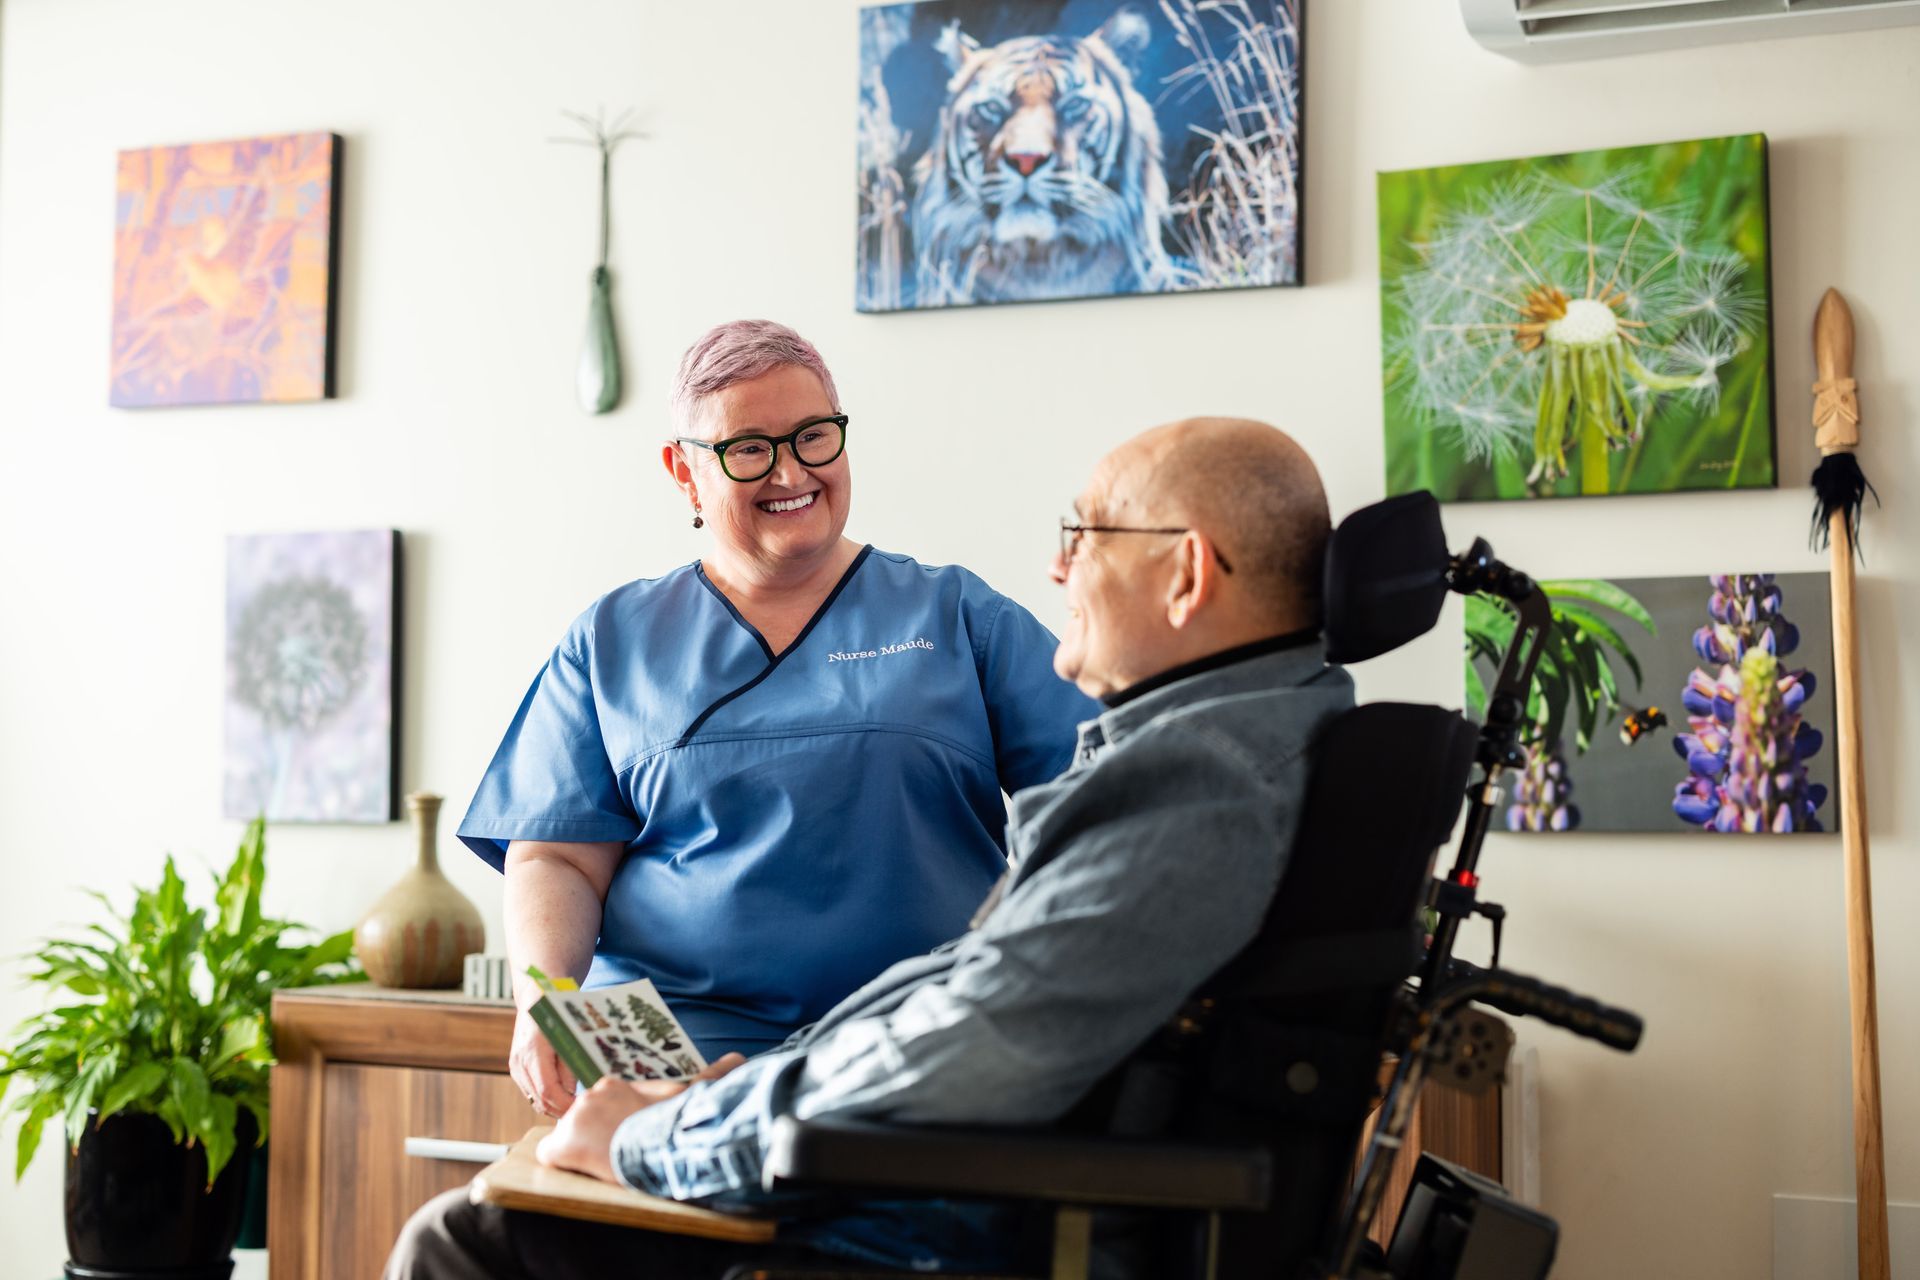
(467, 245)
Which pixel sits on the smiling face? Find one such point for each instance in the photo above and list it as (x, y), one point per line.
(1116, 632)
(793, 515)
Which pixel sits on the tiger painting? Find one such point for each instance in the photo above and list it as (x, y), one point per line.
(1044, 178)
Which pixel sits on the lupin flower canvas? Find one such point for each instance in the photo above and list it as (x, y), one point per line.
(1696, 704)
(1584, 324)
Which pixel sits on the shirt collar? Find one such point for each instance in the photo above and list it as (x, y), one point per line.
(1291, 659)
(1213, 662)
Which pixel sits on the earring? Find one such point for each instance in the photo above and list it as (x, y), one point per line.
(697, 521)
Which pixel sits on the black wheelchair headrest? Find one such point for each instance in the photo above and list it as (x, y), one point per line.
(1386, 577)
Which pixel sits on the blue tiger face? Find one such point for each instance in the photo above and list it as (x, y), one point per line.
(1036, 131)
(1044, 179)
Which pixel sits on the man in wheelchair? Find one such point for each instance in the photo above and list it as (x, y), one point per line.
(1192, 568)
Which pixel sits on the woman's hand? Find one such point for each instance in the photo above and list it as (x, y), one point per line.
(553, 903)
(537, 1069)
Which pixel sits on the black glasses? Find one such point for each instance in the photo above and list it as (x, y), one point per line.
(814, 443)
(1070, 535)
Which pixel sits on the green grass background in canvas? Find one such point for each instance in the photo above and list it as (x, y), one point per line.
(1592, 323)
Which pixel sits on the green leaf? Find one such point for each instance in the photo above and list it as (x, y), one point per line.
(133, 1086)
(45, 1106)
(1609, 687)
(242, 1036)
(1585, 659)
(1601, 630)
(1597, 591)
(1552, 712)
(217, 1133)
(86, 1088)
(191, 1094)
(1577, 693)
(336, 949)
(1476, 691)
(258, 1105)
(169, 1111)
(238, 895)
(1489, 624)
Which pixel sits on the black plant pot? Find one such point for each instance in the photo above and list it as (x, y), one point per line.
(139, 1208)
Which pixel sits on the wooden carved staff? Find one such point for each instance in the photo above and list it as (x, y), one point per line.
(1841, 489)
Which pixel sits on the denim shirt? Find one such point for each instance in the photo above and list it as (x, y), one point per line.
(1134, 877)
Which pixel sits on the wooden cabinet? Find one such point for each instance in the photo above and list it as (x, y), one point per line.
(1463, 1128)
(363, 1070)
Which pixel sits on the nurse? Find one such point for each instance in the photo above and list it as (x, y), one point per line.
(760, 779)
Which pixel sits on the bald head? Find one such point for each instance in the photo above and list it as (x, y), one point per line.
(1195, 538)
(1252, 490)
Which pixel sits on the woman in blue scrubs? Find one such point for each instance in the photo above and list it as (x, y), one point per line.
(760, 779)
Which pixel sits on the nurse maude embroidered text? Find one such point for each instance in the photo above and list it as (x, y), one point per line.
(920, 642)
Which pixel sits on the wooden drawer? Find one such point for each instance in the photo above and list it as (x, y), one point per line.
(369, 1185)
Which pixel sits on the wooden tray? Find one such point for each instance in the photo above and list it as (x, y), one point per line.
(518, 1181)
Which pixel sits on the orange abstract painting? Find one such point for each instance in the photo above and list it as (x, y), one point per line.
(223, 272)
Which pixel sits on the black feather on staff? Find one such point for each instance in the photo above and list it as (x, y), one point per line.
(1840, 486)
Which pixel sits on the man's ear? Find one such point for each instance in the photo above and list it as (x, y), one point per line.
(1195, 579)
(1190, 585)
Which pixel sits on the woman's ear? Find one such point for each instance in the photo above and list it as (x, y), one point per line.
(676, 464)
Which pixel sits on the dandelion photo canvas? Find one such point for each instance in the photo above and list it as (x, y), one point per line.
(312, 625)
(1699, 703)
(1024, 150)
(224, 270)
(1593, 323)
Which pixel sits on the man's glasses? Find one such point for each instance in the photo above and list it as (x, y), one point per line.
(745, 458)
(1070, 535)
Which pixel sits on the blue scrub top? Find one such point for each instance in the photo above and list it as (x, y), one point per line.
(794, 823)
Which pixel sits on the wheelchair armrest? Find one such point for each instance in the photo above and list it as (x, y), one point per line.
(1016, 1164)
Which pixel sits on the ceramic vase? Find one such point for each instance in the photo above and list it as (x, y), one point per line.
(421, 931)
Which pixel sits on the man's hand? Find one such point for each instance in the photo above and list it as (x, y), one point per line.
(721, 1066)
(583, 1140)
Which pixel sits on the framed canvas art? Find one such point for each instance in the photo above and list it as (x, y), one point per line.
(1699, 704)
(1027, 150)
(1593, 323)
(312, 688)
(225, 264)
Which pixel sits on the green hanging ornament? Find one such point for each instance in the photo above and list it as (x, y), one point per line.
(597, 380)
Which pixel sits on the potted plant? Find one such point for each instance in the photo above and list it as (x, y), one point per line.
(159, 1072)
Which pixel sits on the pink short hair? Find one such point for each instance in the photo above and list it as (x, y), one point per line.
(740, 351)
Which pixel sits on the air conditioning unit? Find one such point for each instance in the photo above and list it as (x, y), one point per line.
(1562, 30)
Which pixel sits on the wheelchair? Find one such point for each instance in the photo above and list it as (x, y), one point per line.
(1224, 1147)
